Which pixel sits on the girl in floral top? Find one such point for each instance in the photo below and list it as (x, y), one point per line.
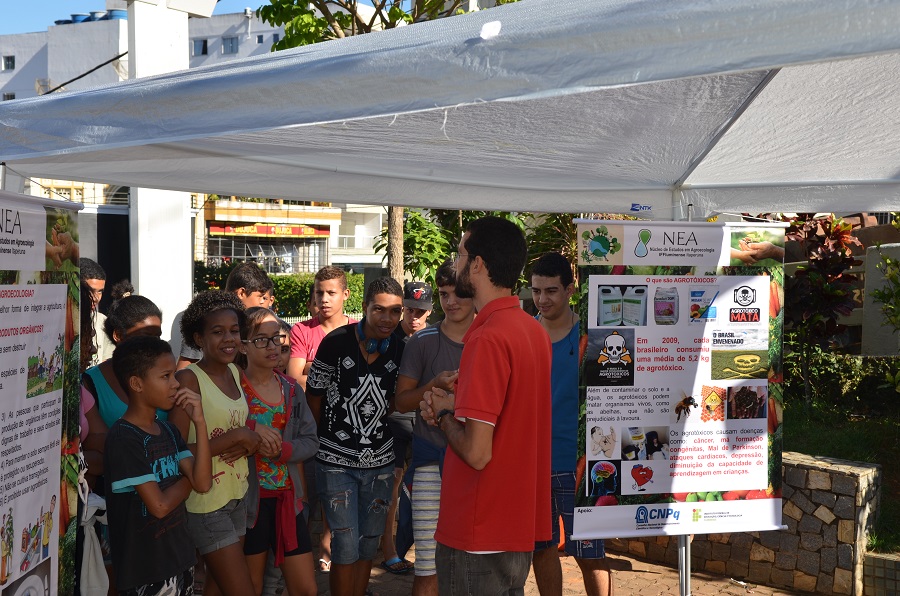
(275, 521)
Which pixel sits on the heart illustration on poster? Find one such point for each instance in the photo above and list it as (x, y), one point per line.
(642, 475)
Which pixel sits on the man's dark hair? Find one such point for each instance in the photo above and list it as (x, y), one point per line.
(553, 264)
(446, 275)
(331, 272)
(204, 304)
(135, 356)
(501, 245)
(128, 312)
(383, 285)
(249, 276)
(91, 269)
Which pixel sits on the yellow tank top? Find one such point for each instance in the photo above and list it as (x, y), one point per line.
(222, 414)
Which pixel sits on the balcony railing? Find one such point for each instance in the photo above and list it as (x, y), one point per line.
(356, 243)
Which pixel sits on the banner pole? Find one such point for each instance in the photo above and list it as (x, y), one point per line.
(684, 564)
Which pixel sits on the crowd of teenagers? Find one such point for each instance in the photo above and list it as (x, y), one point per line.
(214, 459)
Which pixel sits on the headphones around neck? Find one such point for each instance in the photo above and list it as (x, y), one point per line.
(372, 345)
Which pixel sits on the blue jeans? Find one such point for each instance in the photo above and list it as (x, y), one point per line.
(466, 574)
(355, 502)
(562, 503)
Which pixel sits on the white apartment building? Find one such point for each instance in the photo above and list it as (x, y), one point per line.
(88, 49)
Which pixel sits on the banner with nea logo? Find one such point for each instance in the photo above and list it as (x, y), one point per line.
(680, 378)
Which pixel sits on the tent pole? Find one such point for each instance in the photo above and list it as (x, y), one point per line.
(684, 564)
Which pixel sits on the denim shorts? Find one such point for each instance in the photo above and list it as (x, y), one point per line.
(355, 502)
(562, 503)
(218, 529)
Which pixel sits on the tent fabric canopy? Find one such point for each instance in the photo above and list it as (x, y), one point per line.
(608, 105)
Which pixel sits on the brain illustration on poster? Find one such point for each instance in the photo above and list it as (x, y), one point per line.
(39, 392)
(679, 378)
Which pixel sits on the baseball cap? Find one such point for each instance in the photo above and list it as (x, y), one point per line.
(418, 294)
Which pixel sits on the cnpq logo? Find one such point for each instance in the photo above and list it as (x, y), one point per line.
(645, 515)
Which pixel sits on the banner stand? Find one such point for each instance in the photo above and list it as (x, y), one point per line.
(680, 370)
(684, 564)
(684, 541)
(39, 393)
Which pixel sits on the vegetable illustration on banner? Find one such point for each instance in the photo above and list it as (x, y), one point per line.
(680, 374)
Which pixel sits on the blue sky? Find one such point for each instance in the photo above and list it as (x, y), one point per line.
(27, 16)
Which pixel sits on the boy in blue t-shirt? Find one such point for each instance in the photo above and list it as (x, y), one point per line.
(150, 472)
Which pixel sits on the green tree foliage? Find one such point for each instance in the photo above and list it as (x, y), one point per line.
(425, 246)
(821, 290)
(311, 21)
(889, 295)
(430, 236)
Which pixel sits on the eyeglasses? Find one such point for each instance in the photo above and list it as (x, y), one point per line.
(456, 256)
(262, 342)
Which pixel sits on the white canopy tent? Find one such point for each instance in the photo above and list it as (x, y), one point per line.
(576, 105)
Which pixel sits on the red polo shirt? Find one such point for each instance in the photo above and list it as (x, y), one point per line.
(504, 379)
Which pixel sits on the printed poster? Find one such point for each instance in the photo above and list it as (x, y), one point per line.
(680, 378)
(39, 375)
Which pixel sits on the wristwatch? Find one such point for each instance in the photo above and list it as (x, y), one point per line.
(441, 415)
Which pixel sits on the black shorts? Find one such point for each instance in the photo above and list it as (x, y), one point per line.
(261, 537)
(402, 430)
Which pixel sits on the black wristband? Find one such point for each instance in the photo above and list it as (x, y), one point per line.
(441, 414)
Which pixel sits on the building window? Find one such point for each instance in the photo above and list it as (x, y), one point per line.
(201, 48)
(9, 63)
(229, 45)
(275, 37)
(8, 96)
(259, 38)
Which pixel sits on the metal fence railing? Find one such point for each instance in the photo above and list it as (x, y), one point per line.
(291, 320)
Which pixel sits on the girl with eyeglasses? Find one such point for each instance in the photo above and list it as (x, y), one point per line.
(217, 519)
(275, 522)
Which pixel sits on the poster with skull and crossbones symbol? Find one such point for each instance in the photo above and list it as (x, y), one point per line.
(611, 356)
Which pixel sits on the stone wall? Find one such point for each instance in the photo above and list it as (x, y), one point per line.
(829, 507)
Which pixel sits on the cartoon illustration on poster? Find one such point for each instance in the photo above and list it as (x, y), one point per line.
(680, 378)
(39, 393)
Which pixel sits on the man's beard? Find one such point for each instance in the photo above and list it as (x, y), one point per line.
(464, 287)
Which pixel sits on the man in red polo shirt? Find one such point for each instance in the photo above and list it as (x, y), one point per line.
(495, 492)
